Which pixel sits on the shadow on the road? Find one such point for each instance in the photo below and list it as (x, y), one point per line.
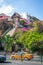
(6, 62)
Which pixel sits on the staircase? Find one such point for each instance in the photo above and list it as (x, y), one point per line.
(11, 32)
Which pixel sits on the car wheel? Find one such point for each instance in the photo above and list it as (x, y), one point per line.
(29, 59)
(2, 61)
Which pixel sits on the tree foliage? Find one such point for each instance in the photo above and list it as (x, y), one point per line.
(8, 42)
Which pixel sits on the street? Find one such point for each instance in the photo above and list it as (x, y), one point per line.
(34, 61)
(16, 62)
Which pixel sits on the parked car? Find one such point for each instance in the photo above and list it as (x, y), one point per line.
(23, 56)
(2, 55)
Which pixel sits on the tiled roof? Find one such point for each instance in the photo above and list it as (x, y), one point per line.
(3, 16)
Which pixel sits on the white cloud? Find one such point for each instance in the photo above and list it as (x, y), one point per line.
(6, 9)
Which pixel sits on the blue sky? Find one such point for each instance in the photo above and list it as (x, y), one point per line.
(33, 7)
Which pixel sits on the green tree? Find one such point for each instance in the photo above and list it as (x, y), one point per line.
(8, 42)
(17, 37)
(33, 40)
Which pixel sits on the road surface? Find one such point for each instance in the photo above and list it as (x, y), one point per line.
(18, 62)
